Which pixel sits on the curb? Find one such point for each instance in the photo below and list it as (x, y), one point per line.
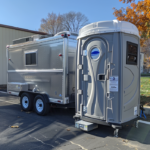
(3, 92)
(147, 110)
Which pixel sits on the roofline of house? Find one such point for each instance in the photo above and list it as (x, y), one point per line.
(21, 29)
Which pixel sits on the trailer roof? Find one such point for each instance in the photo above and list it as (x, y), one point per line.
(107, 27)
(22, 29)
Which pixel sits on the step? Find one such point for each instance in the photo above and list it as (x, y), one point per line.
(86, 126)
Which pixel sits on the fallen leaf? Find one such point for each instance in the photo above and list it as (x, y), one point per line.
(68, 129)
(14, 126)
(125, 141)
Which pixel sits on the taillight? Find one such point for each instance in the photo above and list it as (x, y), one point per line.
(60, 54)
(65, 35)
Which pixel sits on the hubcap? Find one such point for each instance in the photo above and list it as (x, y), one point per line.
(39, 105)
(25, 102)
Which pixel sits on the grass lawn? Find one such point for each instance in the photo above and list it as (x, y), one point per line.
(145, 91)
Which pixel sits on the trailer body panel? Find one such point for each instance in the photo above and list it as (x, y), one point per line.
(45, 65)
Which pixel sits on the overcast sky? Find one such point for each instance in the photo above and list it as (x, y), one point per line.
(28, 13)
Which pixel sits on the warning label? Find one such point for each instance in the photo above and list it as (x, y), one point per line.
(113, 83)
(135, 110)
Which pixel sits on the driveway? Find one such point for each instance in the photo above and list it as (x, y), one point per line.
(56, 131)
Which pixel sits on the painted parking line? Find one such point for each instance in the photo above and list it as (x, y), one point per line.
(9, 102)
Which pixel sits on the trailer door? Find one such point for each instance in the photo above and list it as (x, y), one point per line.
(94, 79)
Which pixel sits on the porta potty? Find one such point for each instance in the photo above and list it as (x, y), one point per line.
(107, 74)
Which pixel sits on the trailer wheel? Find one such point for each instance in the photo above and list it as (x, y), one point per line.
(26, 101)
(41, 107)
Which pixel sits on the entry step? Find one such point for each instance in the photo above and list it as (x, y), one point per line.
(86, 126)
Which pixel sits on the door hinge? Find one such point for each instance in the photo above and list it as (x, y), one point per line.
(85, 77)
(80, 92)
(84, 109)
(80, 66)
(84, 52)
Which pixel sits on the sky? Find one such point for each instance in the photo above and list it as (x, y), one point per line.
(28, 13)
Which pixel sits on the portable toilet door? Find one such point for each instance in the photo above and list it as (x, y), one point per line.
(94, 69)
(108, 73)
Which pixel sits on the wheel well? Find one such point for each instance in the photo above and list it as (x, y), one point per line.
(33, 94)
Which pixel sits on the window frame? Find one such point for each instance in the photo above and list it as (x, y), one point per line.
(29, 52)
(128, 62)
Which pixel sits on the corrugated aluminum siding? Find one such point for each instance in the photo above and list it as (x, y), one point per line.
(6, 37)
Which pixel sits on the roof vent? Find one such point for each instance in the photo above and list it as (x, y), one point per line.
(31, 38)
(22, 40)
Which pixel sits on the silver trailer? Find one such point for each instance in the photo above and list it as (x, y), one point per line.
(108, 74)
(41, 70)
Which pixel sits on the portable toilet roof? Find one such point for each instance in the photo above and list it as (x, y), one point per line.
(107, 27)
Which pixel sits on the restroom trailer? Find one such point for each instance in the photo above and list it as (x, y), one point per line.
(107, 74)
(41, 71)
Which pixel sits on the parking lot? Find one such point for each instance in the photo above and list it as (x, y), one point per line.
(57, 131)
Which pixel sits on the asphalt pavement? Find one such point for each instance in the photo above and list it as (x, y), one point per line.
(56, 131)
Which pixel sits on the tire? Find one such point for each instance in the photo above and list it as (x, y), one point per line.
(41, 107)
(26, 101)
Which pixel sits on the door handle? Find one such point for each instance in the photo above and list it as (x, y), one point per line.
(108, 67)
(107, 74)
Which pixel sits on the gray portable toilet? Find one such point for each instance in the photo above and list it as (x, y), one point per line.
(108, 73)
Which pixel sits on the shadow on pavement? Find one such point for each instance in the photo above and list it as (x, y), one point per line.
(55, 128)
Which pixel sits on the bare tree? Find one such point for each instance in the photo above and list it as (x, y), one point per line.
(73, 21)
(146, 48)
(52, 24)
(147, 63)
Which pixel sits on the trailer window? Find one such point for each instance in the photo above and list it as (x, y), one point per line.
(132, 53)
(30, 58)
